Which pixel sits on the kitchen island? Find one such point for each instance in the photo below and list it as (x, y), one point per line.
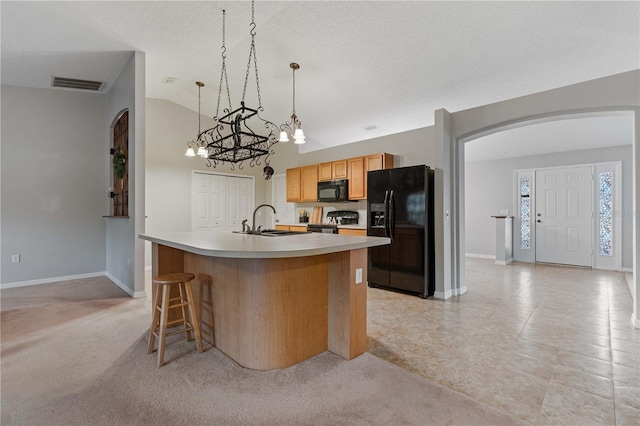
(272, 301)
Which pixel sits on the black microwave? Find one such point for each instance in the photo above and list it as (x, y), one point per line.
(332, 191)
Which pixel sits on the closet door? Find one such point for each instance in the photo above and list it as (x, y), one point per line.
(220, 202)
(237, 202)
(207, 202)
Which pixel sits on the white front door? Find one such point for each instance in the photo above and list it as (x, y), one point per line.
(563, 219)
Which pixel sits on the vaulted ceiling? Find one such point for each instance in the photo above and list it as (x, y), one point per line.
(368, 69)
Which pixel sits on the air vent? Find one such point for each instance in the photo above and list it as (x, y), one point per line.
(169, 80)
(72, 83)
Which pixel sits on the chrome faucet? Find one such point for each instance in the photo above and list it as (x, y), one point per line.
(253, 229)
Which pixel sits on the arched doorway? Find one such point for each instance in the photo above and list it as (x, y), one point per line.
(584, 226)
(454, 188)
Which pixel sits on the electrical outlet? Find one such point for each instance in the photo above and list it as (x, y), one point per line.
(504, 211)
(15, 258)
(358, 275)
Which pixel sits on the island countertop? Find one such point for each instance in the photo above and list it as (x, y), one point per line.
(246, 246)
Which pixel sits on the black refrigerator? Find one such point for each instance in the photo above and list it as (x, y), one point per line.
(400, 207)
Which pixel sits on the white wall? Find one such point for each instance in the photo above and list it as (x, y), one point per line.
(54, 169)
(489, 188)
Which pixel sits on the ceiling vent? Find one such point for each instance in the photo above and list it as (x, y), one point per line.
(370, 127)
(72, 83)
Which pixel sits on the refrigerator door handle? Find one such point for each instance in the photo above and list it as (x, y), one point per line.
(387, 230)
(392, 215)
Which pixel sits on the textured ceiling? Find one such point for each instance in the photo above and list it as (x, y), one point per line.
(383, 64)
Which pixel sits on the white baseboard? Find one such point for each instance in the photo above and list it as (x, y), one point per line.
(462, 290)
(135, 295)
(443, 295)
(635, 321)
(51, 280)
(504, 262)
(627, 270)
(480, 256)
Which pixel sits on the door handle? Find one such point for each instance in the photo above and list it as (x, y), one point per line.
(539, 221)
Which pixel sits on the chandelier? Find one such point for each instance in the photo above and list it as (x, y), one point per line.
(294, 127)
(195, 143)
(233, 138)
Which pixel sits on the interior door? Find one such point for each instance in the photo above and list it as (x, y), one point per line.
(208, 202)
(237, 202)
(220, 202)
(563, 218)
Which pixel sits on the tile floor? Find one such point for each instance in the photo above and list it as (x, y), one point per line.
(547, 344)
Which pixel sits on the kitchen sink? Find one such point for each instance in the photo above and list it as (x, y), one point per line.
(273, 232)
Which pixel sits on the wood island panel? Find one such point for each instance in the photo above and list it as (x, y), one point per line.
(348, 304)
(269, 313)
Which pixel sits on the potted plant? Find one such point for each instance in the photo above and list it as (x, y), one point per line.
(119, 164)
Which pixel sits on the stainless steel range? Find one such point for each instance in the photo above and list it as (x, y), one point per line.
(335, 218)
(325, 228)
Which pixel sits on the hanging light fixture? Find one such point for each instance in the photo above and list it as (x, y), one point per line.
(294, 127)
(194, 144)
(233, 139)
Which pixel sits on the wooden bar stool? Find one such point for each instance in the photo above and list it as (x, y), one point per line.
(163, 302)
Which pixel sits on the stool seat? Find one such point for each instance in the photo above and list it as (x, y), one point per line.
(163, 302)
(173, 278)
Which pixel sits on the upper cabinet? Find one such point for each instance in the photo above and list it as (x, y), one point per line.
(358, 168)
(302, 182)
(378, 162)
(333, 170)
(293, 184)
(356, 175)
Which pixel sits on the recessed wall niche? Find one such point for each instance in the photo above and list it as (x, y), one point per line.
(120, 167)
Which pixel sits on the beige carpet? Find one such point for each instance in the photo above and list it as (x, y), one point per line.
(75, 353)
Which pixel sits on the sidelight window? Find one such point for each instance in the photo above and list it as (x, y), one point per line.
(606, 213)
(525, 213)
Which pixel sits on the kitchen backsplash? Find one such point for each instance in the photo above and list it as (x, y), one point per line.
(357, 206)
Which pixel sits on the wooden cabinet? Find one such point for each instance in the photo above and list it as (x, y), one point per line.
(339, 169)
(333, 170)
(325, 172)
(350, 231)
(356, 176)
(296, 228)
(309, 183)
(293, 184)
(302, 184)
(378, 162)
